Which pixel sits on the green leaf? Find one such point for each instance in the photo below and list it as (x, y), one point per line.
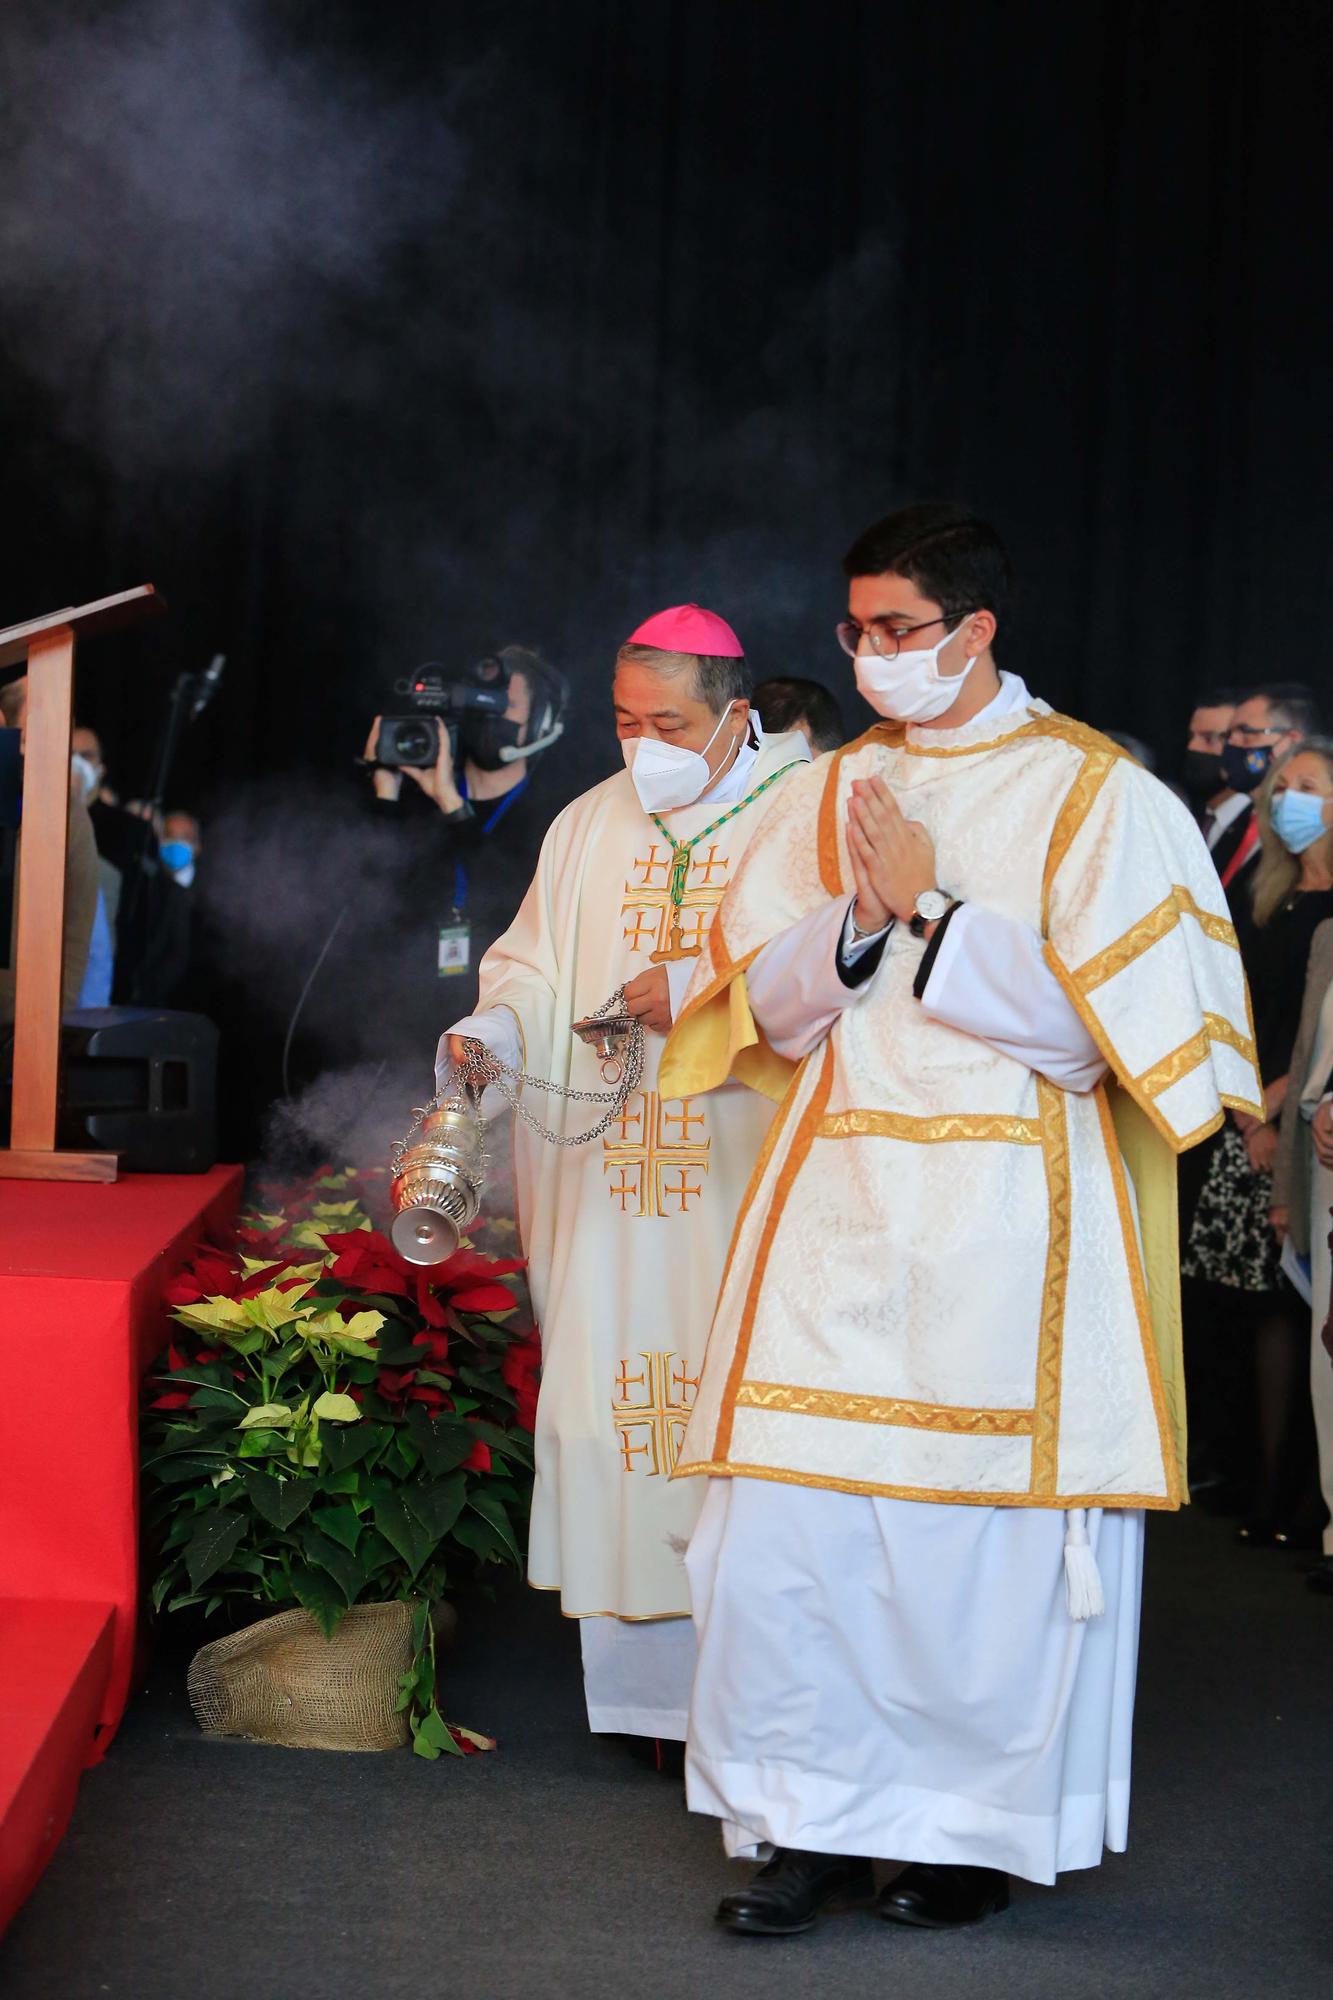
(214, 1538)
(280, 1501)
(316, 1590)
(394, 1347)
(374, 1551)
(269, 1416)
(346, 1571)
(430, 1736)
(179, 1469)
(210, 1398)
(343, 1523)
(471, 1532)
(336, 1409)
(439, 1505)
(166, 1581)
(491, 1510)
(264, 1444)
(516, 1443)
(443, 1443)
(344, 1447)
(403, 1531)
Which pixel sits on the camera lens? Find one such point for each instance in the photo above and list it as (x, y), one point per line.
(414, 743)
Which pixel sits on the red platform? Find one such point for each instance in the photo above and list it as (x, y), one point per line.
(81, 1274)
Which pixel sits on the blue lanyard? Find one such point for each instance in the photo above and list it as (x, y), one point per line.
(488, 826)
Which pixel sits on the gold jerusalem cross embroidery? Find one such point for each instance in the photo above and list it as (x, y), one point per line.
(670, 902)
(651, 1424)
(654, 921)
(658, 1154)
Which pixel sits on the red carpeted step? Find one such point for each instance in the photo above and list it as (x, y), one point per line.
(54, 1662)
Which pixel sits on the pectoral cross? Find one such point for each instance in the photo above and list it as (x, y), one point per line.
(675, 946)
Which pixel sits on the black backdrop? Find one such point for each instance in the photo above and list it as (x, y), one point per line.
(373, 334)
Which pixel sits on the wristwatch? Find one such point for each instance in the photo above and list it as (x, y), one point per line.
(931, 905)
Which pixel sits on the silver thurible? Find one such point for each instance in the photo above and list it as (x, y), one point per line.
(438, 1179)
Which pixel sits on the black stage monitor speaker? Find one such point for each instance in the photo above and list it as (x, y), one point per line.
(141, 1082)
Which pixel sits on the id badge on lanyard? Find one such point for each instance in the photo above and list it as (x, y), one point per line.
(455, 946)
(454, 951)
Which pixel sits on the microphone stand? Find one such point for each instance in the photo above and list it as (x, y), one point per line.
(189, 697)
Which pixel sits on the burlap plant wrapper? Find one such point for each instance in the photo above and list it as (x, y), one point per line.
(281, 1681)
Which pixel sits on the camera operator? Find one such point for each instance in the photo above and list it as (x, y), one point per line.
(472, 815)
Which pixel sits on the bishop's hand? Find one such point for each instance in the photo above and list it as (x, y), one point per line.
(648, 999)
(472, 1059)
(893, 858)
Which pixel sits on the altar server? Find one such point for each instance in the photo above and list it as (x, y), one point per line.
(983, 960)
(626, 1237)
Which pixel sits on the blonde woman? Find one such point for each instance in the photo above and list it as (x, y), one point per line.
(1232, 1242)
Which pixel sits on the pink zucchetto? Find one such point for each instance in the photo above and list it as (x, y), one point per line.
(685, 628)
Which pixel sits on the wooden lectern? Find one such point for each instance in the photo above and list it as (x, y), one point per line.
(47, 644)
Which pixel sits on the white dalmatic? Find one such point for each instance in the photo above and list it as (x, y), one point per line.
(886, 1669)
(625, 1237)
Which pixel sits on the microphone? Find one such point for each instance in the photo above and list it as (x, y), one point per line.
(513, 752)
(206, 685)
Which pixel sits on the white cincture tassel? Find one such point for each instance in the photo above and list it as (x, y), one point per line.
(1083, 1579)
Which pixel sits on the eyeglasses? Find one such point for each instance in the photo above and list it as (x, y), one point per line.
(1247, 732)
(886, 639)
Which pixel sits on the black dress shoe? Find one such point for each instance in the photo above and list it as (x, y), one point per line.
(792, 1890)
(936, 1897)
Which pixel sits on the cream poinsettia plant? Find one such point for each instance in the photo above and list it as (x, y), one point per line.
(332, 1426)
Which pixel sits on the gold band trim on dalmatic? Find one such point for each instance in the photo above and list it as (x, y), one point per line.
(1097, 765)
(955, 1418)
(1050, 1342)
(1150, 930)
(1195, 1051)
(948, 1128)
(802, 1140)
(957, 1496)
(830, 860)
(1135, 1085)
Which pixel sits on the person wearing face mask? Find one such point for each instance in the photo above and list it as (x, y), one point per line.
(178, 848)
(1265, 723)
(1201, 775)
(626, 1237)
(983, 960)
(458, 835)
(1232, 1246)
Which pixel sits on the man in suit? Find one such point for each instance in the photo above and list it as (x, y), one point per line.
(1265, 724)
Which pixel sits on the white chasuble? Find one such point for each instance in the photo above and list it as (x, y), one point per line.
(940, 1288)
(625, 1237)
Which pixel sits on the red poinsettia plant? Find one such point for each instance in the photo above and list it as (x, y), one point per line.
(330, 1425)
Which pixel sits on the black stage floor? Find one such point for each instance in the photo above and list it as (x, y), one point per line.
(198, 1870)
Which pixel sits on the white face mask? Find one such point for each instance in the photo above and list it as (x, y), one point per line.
(86, 773)
(910, 687)
(665, 775)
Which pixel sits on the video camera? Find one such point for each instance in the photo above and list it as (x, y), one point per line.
(479, 694)
(482, 689)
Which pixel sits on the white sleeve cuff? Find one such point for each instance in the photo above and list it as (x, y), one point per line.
(990, 980)
(794, 988)
(855, 944)
(679, 972)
